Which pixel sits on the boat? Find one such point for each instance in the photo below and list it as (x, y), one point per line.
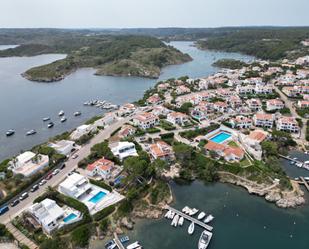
(194, 211)
(31, 132)
(168, 213)
(208, 219)
(299, 165)
(172, 214)
(191, 228)
(185, 209)
(10, 132)
(175, 220)
(63, 119)
(135, 245)
(124, 239)
(180, 221)
(201, 216)
(110, 245)
(46, 119)
(306, 178)
(61, 113)
(204, 240)
(77, 114)
(50, 125)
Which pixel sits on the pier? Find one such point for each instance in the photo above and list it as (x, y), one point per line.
(304, 182)
(187, 217)
(117, 241)
(290, 159)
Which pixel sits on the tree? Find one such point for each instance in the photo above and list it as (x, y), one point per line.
(159, 165)
(270, 148)
(185, 107)
(81, 235)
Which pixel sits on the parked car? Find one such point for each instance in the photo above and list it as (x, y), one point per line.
(62, 166)
(48, 177)
(75, 156)
(23, 196)
(41, 183)
(55, 172)
(14, 203)
(4, 210)
(34, 188)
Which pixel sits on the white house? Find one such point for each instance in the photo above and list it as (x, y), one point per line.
(146, 120)
(108, 119)
(274, 104)
(82, 130)
(123, 149)
(289, 124)
(28, 163)
(263, 120)
(102, 167)
(51, 216)
(241, 122)
(177, 118)
(64, 147)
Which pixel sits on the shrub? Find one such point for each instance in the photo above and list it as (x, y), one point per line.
(104, 213)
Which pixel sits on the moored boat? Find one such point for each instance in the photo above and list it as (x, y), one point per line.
(180, 221)
(135, 245)
(204, 239)
(50, 125)
(168, 213)
(201, 215)
(10, 132)
(193, 211)
(209, 218)
(46, 119)
(63, 119)
(31, 132)
(61, 113)
(175, 220)
(77, 113)
(191, 228)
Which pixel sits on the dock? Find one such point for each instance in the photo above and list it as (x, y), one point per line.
(117, 241)
(290, 159)
(189, 218)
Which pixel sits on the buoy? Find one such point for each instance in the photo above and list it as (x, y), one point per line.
(291, 236)
(264, 227)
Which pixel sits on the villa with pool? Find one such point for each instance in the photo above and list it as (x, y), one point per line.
(94, 197)
(51, 216)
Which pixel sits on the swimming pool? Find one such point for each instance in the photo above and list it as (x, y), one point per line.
(96, 198)
(221, 137)
(70, 217)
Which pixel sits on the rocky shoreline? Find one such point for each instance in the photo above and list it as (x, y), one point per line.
(271, 193)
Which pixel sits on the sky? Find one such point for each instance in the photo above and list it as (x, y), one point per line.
(151, 13)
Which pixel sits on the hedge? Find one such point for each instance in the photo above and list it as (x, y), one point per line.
(101, 184)
(104, 213)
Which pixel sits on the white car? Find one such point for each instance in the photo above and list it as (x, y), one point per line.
(55, 172)
(75, 156)
(41, 183)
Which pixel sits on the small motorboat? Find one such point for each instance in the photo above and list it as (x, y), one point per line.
(194, 211)
(299, 165)
(50, 125)
(61, 113)
(204, 239)
(10, 132)
(201, 216)
(191, 228)
(168, 213)
(175, 220)
(135, 245)
(124, 239)
(306, 178)
(172, 214)
(46, 119)
(77, 114)
(31, 132)
(185, 209)
(209, 218)
(63, 119)
(180, 221)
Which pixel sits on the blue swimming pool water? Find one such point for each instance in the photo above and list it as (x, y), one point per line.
(221, 137)
(70, 217)
(95, 199)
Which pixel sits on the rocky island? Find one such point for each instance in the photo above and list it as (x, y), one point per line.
(110, 55)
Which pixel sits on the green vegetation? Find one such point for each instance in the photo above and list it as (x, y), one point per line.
(159, 192)
(111, 55)
(92, 120)
(152, 130)
(104, 213)
(303, 112)
(191, 134)
(264, 43)
(101, 184)
(4, 233)
(230, 64)
(307, 131)
(81, 235)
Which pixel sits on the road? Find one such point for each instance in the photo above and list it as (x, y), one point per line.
(70, 165)
(289, 104)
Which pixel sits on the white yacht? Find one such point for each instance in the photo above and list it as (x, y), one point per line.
(201, 215)
(168, 213)
(204, 240)
(185, 209)
(172, 214)
(77, 113)
(61, 113)
(209, 218)
(193, 211)
(63, 119)
(135, 245)
(10, 132)
(46, 119)
(175, 220)
(180, 221)
(31, 132)
(191, 228)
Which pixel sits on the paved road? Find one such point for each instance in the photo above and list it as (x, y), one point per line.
(289, 104)
(70, 165)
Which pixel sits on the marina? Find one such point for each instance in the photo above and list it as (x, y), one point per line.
(189, 218)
